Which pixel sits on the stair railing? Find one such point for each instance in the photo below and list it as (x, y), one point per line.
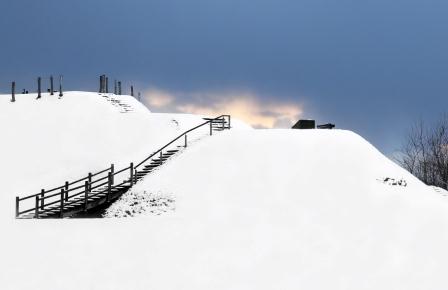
(104, 179)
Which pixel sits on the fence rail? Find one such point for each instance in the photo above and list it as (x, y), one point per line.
(103, 181)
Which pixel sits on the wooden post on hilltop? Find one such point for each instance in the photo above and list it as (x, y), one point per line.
(132, 91)
(39, 89)
(119, 88)
(104, 84)
(107, 85)
(51, 86)
(101, 84)
(115, 87)
(139, 96)
(60, 86)
(13, 92)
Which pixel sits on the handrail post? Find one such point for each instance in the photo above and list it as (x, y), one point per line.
(90, 181)
(17, 206)
(109, 186)
(36, 210)
(66, 191)
(112, 170)
(185, 141)
(42, 200)
(61, 212)
(86, 194)
(131, 169)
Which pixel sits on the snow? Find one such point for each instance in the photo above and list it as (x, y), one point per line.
(53, 139)
(247, 209)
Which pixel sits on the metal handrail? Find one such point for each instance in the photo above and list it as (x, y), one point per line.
(178, 137)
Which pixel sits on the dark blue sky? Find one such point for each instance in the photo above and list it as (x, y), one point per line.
(370, 66)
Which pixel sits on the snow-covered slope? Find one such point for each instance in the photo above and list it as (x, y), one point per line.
(48, 141)
(282, 209)
(253, 209)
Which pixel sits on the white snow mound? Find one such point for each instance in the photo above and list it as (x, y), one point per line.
(244, 209)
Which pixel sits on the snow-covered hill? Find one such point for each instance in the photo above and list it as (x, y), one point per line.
(48, 141)
(297, 166)
(245, 209)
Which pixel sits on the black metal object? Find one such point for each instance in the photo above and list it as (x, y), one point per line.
(305, 124)
(326, 126)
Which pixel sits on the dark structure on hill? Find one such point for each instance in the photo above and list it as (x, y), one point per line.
(311, 124)
(305, 124)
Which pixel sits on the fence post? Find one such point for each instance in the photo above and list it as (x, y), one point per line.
(61, 213)
(17, 206)
(223, 121)
(36, 210)
(211, 127)
(112, 170)
(185, 141)
(135, 176)
(107, 85)
(109, 186)
(229, 122)
(115, 87)
(60, 86)
(119, 88)
(66, 191)
(131, 167)
(39, 89)
(132, 91)
(42, 200)
(51, 86)
(86, 194)
(13, 92)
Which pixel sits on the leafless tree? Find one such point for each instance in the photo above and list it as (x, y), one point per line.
(425, 152)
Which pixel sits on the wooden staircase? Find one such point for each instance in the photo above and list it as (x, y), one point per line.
(76, 198)
(122, 106)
